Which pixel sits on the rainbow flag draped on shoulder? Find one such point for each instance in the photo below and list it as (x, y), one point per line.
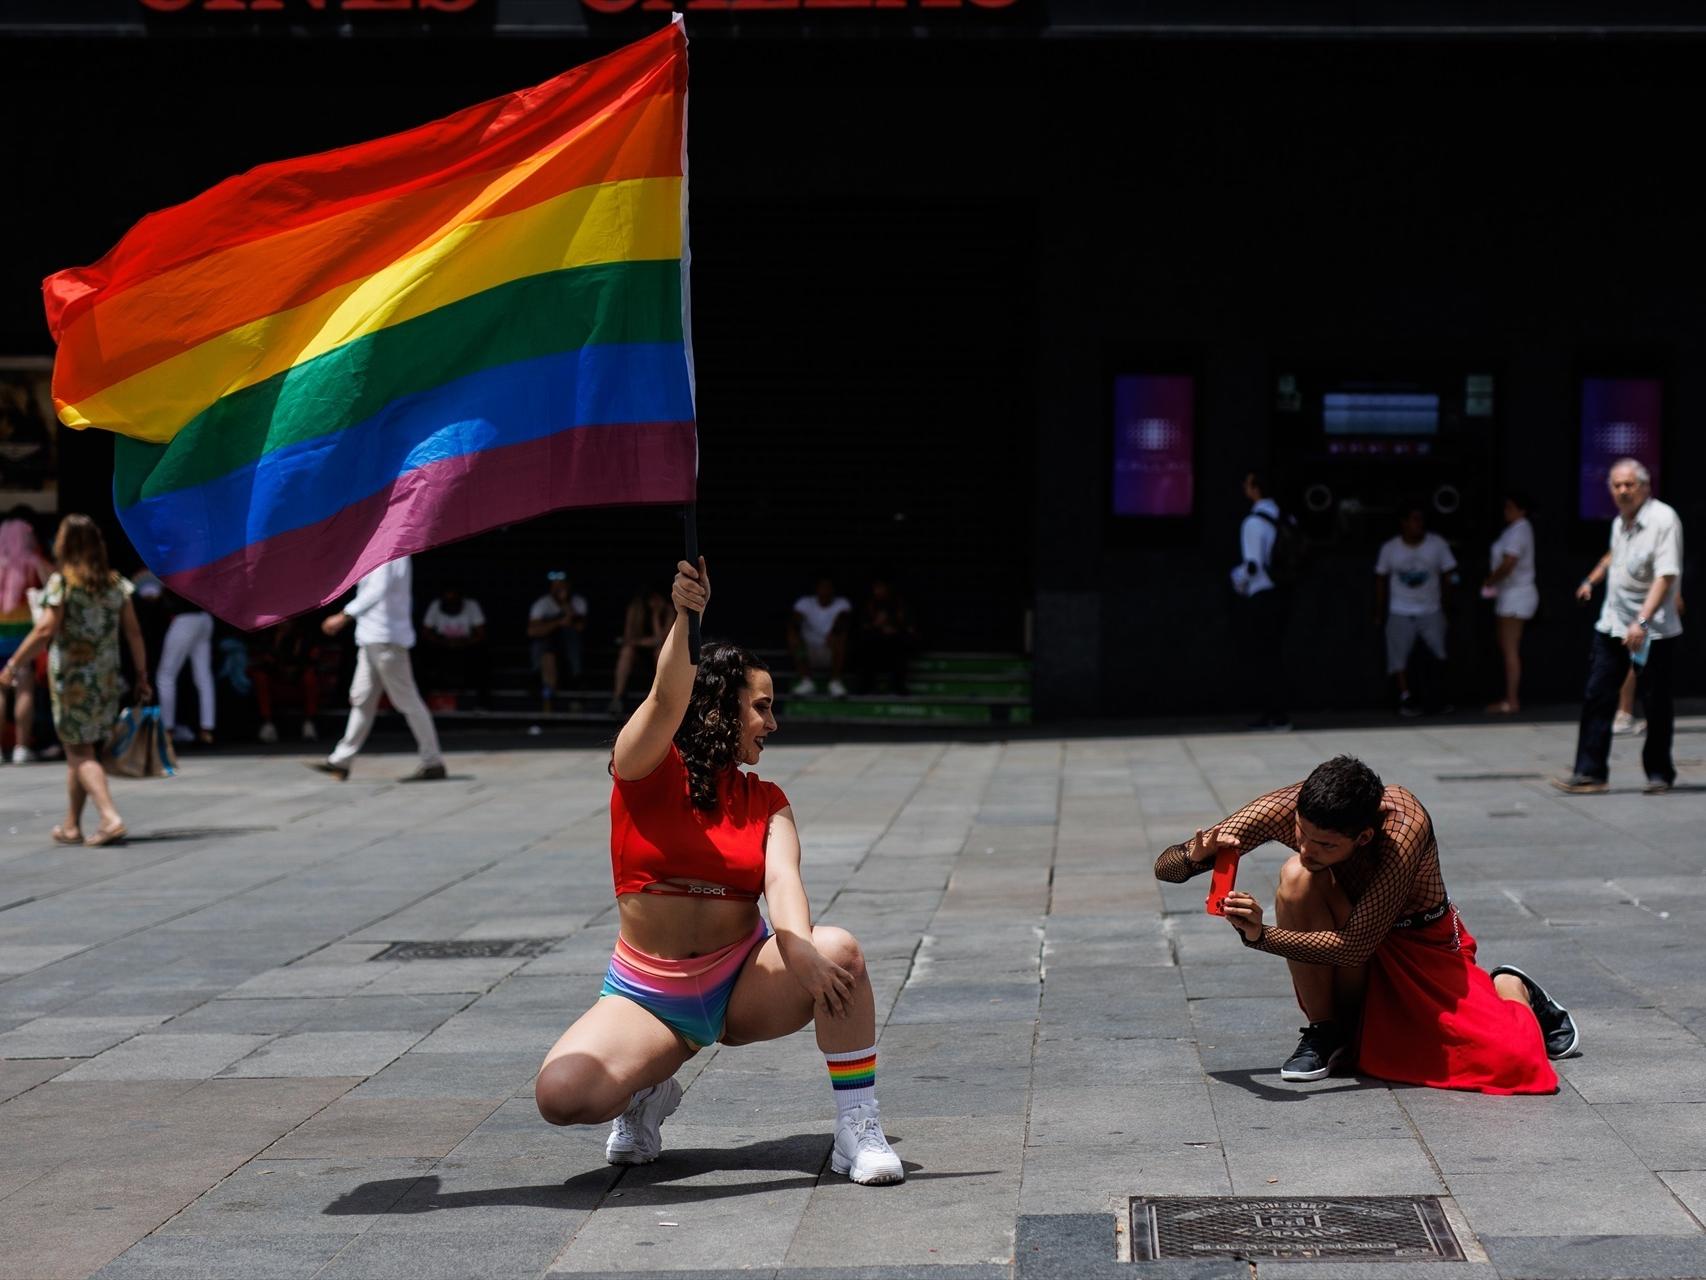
(327, 363)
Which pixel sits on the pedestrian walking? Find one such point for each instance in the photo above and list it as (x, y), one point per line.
(1412, 575)
(1259, 606)
(23, 569)
(84, 607)
(189, 638)
(1510, 583)
(384, 634)
(1638, 622)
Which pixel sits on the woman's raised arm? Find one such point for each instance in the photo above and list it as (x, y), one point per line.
(644, 740)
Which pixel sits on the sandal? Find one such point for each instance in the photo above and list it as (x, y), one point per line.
(62, 836)
(104, 836)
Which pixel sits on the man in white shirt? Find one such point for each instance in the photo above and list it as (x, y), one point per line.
(455, 627)
(1411, 574)
(556, 627)
(1642, 572)
(384, 634)
(817, 637)
(1259, 606)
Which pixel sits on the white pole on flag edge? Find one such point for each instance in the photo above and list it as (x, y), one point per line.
(690, 519)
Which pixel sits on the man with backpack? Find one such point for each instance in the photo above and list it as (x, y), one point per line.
(1261, 585)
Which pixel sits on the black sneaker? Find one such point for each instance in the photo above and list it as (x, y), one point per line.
(338, 771)
(1408, 707)
(1563, 1038)
(1320, 1050)
(426, 773)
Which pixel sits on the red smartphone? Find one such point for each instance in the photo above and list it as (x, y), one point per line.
(1225, 875)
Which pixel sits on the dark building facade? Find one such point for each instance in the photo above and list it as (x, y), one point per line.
(934, 244)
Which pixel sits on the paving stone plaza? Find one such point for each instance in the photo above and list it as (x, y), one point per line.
(215, 1065)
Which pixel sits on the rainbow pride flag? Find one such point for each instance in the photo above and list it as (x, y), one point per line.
(328, 363)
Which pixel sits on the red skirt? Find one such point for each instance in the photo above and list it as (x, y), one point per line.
(1430, 1016)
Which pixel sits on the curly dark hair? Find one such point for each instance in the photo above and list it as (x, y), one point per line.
(1342, 795)
(710, 731)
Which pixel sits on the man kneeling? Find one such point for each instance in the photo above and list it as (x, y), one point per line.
(1378, 954)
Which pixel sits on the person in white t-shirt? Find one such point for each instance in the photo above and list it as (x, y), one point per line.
(1511, 586)
(1411, 575)
(556, 626)
(384, 633)
(454, 631)
(1641, 616)
(817, 637)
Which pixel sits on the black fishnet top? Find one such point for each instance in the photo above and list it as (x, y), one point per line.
(1395, 874)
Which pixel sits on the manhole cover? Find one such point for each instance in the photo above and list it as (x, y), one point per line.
(1373, 1228)
(481, 949)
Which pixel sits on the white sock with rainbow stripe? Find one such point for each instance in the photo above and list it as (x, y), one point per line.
(853, 1076)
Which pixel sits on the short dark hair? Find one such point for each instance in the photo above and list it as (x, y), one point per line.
(1258, 478)
(1342, 795)
(1520, 498)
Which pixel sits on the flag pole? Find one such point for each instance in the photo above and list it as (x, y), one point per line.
(690, 519)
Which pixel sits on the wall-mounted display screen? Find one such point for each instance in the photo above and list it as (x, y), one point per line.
(1154, 444)
(1620, 419)
(1380, 413)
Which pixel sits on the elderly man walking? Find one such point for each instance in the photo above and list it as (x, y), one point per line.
(1637, 624)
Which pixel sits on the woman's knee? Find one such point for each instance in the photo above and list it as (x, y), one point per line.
(839, 947)
(565, 1094)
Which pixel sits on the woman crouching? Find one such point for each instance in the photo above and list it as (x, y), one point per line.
(694, 841)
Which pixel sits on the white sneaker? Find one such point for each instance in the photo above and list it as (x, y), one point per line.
(636, 1135)
(804, 687)
(309, 732)
(23, 755)
(862, 1152)
(268, 732)
(1622, 723)
(182, 734)
(837, 689)
(1638, 728)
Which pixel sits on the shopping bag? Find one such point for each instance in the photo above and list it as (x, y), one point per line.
(140, 747)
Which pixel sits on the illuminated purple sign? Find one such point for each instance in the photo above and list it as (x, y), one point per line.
(1620, 419)
(1154, 440)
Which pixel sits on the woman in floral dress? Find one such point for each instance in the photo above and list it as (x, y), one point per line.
(83, 608)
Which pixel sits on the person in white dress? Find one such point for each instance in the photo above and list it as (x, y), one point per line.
(1510, 584)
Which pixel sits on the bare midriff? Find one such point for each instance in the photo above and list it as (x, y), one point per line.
(679, 928)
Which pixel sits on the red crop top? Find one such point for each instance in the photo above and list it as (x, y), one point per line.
(656, 833)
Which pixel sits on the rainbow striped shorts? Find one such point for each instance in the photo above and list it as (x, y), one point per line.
(691, 996)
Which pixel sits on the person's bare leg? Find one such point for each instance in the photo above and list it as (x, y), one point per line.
(24, 712)
(1310, 901)
(767, 1003)
(548, 671)
(75, 797)
(93, 776)
(837, 653)
(612, 1051)
(1510, 644)
(1510, 987)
